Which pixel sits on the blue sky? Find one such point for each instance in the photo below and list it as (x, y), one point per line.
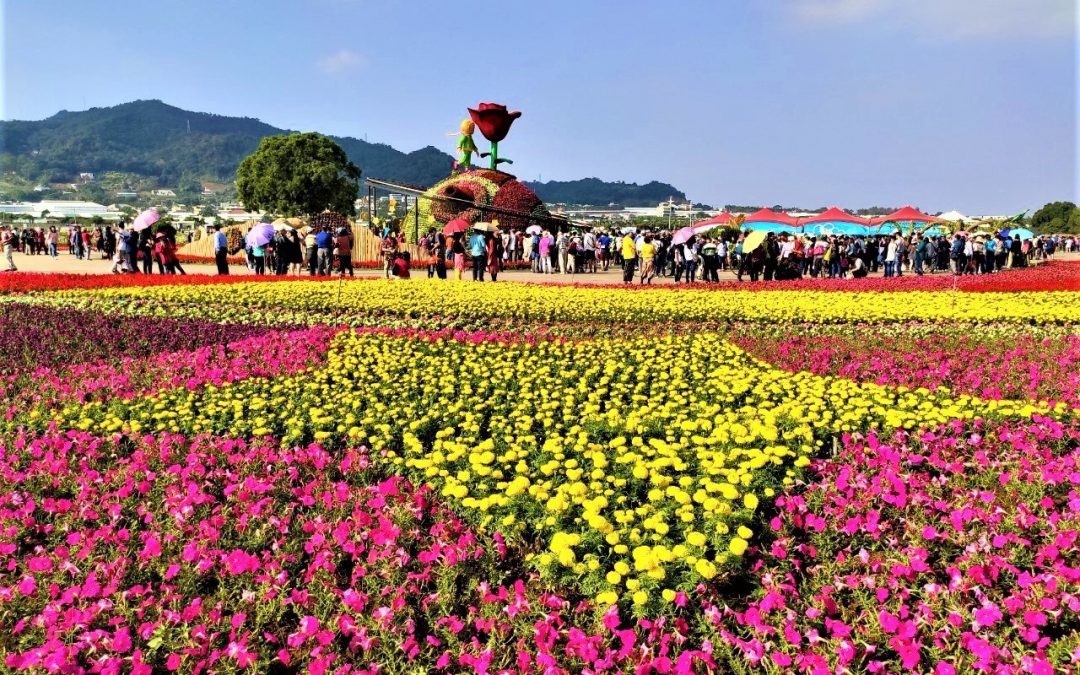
(965, 104)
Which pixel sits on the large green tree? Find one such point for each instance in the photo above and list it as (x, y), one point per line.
(1054, 217)
(298, 174)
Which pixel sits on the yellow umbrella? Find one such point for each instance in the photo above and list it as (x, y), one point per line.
(753, 240)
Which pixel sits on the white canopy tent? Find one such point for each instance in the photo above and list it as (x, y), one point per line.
(953, 216)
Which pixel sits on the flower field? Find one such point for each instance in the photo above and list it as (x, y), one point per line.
(370, 477)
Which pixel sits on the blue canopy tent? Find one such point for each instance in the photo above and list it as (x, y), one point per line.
(766, 220)
(764, 226)
(835, 221)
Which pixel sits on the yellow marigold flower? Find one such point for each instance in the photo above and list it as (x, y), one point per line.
(738, 546)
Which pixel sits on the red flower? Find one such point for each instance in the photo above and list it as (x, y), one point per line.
(494, 120)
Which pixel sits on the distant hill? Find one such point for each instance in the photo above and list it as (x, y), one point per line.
(154, 140)
(596, 192)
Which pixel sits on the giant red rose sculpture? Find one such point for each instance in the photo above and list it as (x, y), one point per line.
(494, 121)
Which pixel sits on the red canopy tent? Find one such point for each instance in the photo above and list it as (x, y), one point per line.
(770, 216)
(908, 214)
(834, 215)
(719, 220)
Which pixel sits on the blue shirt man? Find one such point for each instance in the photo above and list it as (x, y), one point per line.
(220, 241)
(477, 245)
(324, 240)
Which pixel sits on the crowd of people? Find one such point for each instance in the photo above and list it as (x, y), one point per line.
(125, 247)
(644, 256)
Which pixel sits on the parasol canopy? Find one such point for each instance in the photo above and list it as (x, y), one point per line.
(456, 226)
(260, 234)
(1022, 231)
(485, 227)
(753, 240)
(682, 236)
(145, 220)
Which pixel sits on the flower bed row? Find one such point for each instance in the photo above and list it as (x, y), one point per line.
(545, 303)
(30, 282)
(1017, 366)
(1055, 275)
(947, 551)
(46, 391)
(36, 336)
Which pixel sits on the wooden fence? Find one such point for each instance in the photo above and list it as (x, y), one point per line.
(367, 246)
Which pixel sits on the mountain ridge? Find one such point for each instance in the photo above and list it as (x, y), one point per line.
(155, 140)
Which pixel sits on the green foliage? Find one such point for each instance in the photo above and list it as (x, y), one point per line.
(298, 174)
(1057, 217)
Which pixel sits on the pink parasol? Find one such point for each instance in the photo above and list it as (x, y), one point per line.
(145, 220)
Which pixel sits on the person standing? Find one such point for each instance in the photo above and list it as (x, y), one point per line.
(324, 242)
(990, 248)
(123, 243)
(76, 242)
(901, 254)
(772, 255)
(495, 252)
(629, 257)
(648, 260)
(457, 249)
(7, 242)
(603, 248)
(588, 244)
(438, 250)
(920, 255)
(258, 254)
(709, 261)
(144, 248)
(890, 258)
(52, 239)
(690, 258)
(221, 250)
(311, 251)
(956, 253)
(343, 244)
(389, 250)
(478, 253)
(85, 237)
(547, 244)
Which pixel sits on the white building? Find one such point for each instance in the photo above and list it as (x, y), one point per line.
(58, 209)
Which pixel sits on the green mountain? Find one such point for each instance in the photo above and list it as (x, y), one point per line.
(601, 193)
(153, 140)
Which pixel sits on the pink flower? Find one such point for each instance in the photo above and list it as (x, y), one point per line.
(987, 615)
(121, 641)
(151, 547)
(27, 586)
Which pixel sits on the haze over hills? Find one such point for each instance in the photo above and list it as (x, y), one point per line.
(157, 141)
